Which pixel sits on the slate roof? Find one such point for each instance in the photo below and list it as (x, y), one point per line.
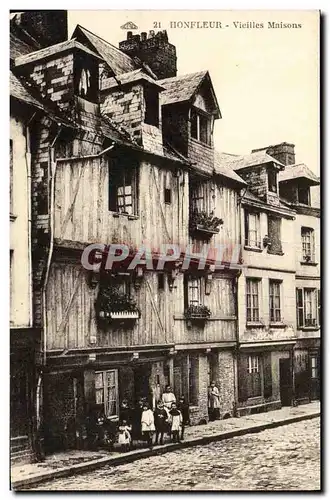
(21, 93)
(221, 167)
(115, 58)
(251, 160)
(299, 171)
(125, 78)
(283, 206)
(18, 47)
(181, 88)
(53, 49)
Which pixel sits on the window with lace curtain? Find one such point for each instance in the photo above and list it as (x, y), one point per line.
(106, 391)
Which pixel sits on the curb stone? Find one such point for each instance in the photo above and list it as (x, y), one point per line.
(159, 450)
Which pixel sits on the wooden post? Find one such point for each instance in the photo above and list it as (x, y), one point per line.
(170, 371)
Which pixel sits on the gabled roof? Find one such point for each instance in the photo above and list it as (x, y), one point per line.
(183, 88)
(222, 168)
(18, 47)
(50, 51)
(19, 92)
(299, 171)
(251, 160)
(132, 76)
(115, 58)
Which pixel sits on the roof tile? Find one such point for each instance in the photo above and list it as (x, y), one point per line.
(180, 88)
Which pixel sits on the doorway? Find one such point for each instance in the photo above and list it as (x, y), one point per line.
(285, 382)
(141, 382)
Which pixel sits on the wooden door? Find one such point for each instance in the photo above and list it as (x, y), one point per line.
(285, 382)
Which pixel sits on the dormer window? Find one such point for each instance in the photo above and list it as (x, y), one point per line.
(151, 98)
(272, 181)
(200, 127)
(304, 195)
(84, 82)
(86, 78)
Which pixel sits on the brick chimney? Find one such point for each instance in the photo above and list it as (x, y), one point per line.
(153, 49)
(283, 152)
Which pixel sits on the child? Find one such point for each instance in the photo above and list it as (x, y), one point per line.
(176, 422)
(161, 419)
(124, 437)
(184, 408)
(147, 424)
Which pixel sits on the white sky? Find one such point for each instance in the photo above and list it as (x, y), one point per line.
(266, 80)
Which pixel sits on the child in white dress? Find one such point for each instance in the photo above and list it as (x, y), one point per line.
(124, 436)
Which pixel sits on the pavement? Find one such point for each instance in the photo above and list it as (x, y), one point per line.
(77, 461)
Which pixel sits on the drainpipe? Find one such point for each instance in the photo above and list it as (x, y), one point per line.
(237, 309)
(53, 163)
(51, 245)
(28, 174)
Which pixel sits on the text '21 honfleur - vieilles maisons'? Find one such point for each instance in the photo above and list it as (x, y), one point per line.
(111, 146)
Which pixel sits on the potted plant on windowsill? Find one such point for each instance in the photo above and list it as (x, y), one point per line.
(197, 312)
(112, 305)
(202, 222)
(266, 241)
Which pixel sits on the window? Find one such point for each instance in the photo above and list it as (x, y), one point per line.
(314, 367)
(304, 195)
(274, 300)
(167, 196)
(121, 284)
(307, 241)
(86, 77)
(122, 188)
(308, 307)
(161, 281)
(151, 106)
(272, 181)
(194, 291)
(106, 391)
(11, 163)
(200, 127)
(253, 377)
(274, 233)
(252, 300)
(197, 197)
(252, 230)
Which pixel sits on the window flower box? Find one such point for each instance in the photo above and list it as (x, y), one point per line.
(112, 305)
(204, 223)
(197, 312)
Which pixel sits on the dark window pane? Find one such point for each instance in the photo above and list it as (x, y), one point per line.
(193, 124)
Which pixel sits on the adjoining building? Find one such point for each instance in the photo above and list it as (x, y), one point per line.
(121, 151)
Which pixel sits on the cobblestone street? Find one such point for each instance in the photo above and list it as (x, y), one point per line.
(285, 458)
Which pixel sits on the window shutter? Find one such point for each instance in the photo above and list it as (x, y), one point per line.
(300, 307)
(274, 233)
(319, 307)
(246, 227)
(242, 377)
(268, 386)
(185, 290)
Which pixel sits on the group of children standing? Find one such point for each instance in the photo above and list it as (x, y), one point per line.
(141, 423)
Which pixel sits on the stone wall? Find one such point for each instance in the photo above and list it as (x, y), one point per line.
(54, 79)
(257, 181)
(125, 107)
(201, 155)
